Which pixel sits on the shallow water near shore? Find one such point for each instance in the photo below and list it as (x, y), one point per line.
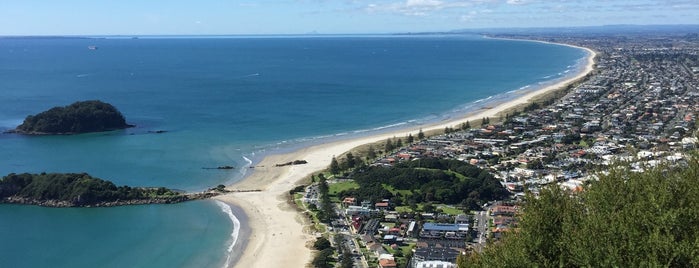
(220, 102)
(181, 235)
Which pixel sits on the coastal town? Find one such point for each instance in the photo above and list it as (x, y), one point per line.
(435, 195)
(639, 106)
(349, 134)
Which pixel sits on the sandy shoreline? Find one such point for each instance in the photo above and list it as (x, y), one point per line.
(278, 236)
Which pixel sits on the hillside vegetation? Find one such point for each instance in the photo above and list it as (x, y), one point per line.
(79, 117)
(625, 219)
(428, 180)
(73, 189)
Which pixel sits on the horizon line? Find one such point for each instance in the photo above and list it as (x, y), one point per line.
(313, 33)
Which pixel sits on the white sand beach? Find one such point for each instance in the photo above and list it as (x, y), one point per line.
(278, 237)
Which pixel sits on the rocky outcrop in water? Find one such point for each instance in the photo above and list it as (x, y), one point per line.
(295, 162)
(83, 190)
(79, 117)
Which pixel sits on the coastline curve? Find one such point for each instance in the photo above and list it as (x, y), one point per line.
(268, 211)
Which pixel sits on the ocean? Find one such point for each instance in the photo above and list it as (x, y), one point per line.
(223, 100)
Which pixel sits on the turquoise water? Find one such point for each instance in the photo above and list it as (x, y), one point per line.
(226, 101)
(137, 236)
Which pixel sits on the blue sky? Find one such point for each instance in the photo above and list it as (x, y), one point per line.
(132, 17)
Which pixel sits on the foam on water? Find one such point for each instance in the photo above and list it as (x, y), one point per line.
(234, 233)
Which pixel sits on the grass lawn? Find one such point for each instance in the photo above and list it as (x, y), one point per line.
(298, 200)
(461, 177)
(320, 227)
(451, 210)
(394, 191)
(407, 248)
(448, 209)
(389, 224)
(335, 188)
(404, 250)
(401, 209)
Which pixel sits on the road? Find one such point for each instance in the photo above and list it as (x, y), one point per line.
(480, 222)
(349, 241)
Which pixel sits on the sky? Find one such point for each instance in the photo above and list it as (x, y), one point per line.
(221, 17)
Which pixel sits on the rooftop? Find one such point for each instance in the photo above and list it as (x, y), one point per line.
(444, 227)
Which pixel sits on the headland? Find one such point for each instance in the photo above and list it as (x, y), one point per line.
(79, 117)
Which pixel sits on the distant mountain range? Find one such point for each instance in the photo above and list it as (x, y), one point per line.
(605, 29)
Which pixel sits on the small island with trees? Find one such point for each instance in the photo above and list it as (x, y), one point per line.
(77, 118)
(83, 190)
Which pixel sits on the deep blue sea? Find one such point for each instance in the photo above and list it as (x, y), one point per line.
(222, 101)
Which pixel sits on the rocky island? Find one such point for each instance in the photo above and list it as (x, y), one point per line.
(83, 190)
(79, 117)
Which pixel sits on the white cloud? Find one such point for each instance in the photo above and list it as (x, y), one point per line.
(417, 3)
(468, 17)
(516, 2)
(532, 12)
(418, 7)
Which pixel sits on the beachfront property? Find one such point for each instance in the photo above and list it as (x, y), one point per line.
(360, 211)
(642, 97)
(640, 105)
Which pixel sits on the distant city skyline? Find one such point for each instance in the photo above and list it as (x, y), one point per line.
(213, 17)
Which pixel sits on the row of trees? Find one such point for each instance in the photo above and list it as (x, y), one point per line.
(391, 144)
(325, 253)
(350, 161)
(326, 211)
(625, 219)
(78, 189)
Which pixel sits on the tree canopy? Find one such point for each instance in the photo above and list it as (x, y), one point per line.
(625, 219)
(79, 117)
(429, 180)
(321, 243)
(74, 188)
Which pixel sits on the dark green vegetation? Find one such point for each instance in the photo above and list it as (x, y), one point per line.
(79, 117)
(343, 253)
(326, 211)
(625, 219)
(324, 257)
(427, 180)
(72, 189)
(321, 243)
